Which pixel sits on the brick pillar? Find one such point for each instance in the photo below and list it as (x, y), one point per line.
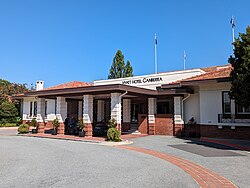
(100, 110)
(40, 114)
(152, 106)
(178, 119)
(116, 110)
(126, 114)
(61, 114)
(88, 114)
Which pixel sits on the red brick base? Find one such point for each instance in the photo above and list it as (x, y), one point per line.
(178, 129)
(60, 129)
(151, 128)
(88, 129)
(226, 132)
(40, 127)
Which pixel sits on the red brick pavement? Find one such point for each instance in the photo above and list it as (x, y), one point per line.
(237, 146)
(204, 177)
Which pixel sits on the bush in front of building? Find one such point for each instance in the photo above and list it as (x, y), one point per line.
(113, 134)
(23, 128)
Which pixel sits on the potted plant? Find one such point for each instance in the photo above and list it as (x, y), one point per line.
(55, 126)
(34, 124)
(81, 127)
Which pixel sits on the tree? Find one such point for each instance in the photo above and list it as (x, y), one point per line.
(8, 111)
(128, 72)
(118, 68)
(9, 108)
(240, 74)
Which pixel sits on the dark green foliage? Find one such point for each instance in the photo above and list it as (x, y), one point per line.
(128, 71)
(112, 123)
(34, 123)
(240, 75)
(55, 124)
(23, 128)
(118, 68)
(80, 124)
(113, 135)
(8, 111)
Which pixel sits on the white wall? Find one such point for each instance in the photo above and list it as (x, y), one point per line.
(26, 104)
(211, 102)
(192, 108)
(51, 106)
(161, 78)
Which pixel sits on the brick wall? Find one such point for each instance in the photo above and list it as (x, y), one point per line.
(164, 124)
(143, 123)
(225, 132)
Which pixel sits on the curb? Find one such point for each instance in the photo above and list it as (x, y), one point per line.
(104, 143)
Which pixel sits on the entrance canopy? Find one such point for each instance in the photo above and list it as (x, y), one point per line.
(104, 89)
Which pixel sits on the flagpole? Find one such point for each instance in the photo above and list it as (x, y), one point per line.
(155, 54)
(184, 60)
(233, 25)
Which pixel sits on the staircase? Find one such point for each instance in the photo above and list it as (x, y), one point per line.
(133, 129)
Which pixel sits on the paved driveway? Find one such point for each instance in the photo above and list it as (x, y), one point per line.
(39, 162)
(228, 162)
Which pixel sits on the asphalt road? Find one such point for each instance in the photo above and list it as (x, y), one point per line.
(36, 162)
(230, 163)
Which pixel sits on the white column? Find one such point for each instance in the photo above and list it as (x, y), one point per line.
(178, 119)
(40, 110)
(152, 106)
(126, 110)
(61, 109)
(80, 109)
(100, 110)
(116, 107)
(88, 109)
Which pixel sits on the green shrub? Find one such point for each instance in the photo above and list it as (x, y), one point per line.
(18, 121)
(113, 135)
(112, 123)
(34, 123)
(23, 128)
(8, 125)
(55, 124)
(80, 124)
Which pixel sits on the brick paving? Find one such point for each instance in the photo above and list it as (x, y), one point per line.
(226, 143)
(205, 178)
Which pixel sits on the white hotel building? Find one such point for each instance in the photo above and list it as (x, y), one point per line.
(156, 104)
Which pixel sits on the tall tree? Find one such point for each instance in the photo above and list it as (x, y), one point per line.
(128, 71)
(118, 68)
(240, 75)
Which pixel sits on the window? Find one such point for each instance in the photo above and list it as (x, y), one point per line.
(55, 106)
(226, 102)
(163, 107)
(46, 108)
(31, 108)
(242, 110)
(35, 108)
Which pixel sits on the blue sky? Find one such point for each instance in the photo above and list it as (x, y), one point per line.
(65, 40)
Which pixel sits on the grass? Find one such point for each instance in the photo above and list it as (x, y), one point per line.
(8, 125)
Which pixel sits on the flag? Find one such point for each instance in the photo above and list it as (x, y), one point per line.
(232, 22)
(185, 56)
